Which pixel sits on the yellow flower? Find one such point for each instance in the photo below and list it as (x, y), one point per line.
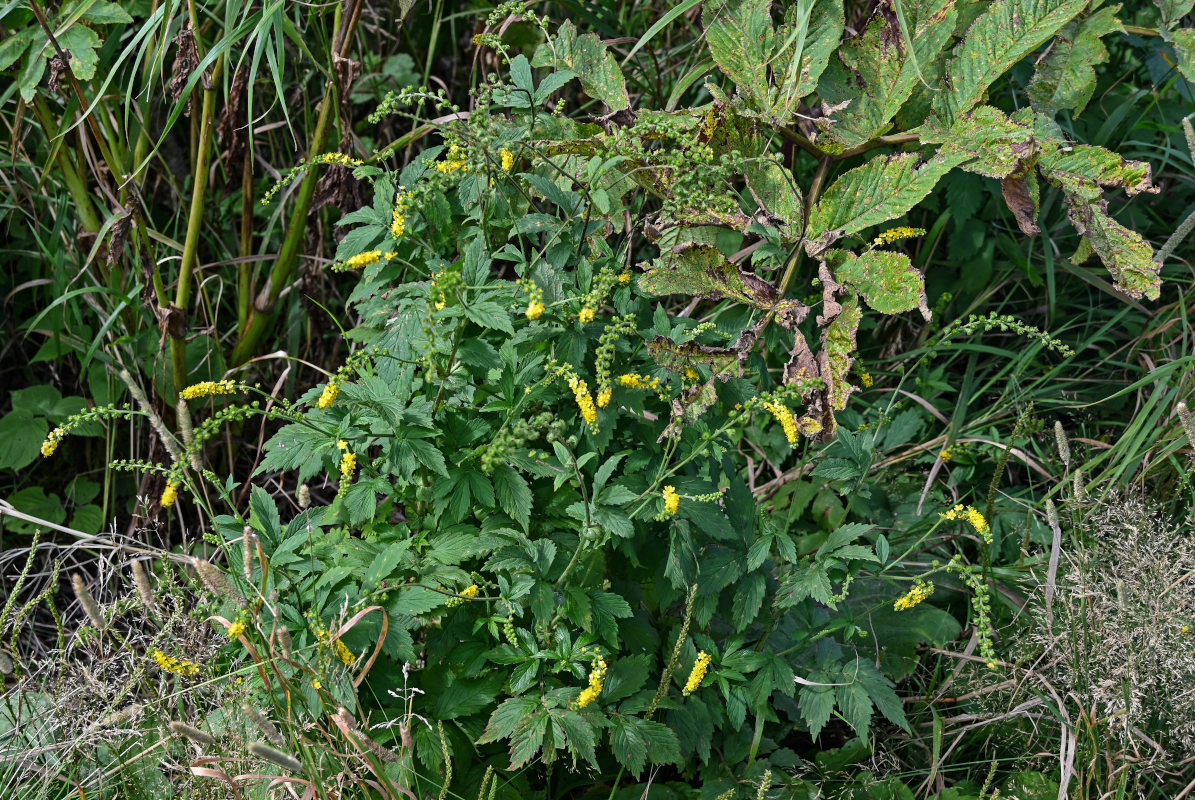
(344, 653)
(348, 465)
(363, 259)
(633, 381)
(972, 516)
(866, 380)
(896, 234)
(236, 629)
(398, 223)
(603, 397)
(671, 501)
(508, 159)
(328, 395)
(597, 678)
(624, 278)
(471, 591)
(169, 494)
(785, 417)
(919, 592)
(315, 684)
(700, 667)
(455, 161)
(175, 665)
(586, 315)
(209, 388)
(341, 444)
(584, 400)
(51, 443)
(692, 374)
(535, 310)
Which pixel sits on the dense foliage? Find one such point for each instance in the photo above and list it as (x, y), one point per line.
(583, 413)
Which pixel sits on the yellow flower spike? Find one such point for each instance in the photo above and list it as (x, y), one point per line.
(236, 629)
(671, 501)
(584, 399)
(597, 679)
(328, 395)
(896, 234)
(471, 591)
(51, 443)
(188, 669)
(398, 224)
(866, 380)
(169, 494)
(209, 389)
(508, 159)
(535, 310)
(348, 465)
(362, 260)
(972, 516)
(786, 419)
(917, 594)
(586, 315)
(603, 397)
(700, 667)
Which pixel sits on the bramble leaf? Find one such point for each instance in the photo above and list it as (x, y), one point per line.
(882, 189)
(886, 280)
(873, 74)
(1000, 37)
(995, 145)
(1065, 78)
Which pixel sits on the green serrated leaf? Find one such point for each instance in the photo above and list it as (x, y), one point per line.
(1065, 78)
(882, 189)
(995, 146)
(873, 75)
(489, 314)
(816, 704)
(887, 281)
(700, 270)
(1005, 33)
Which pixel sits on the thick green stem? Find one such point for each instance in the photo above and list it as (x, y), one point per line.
(89, 218)
(262, 313)
(182, 297)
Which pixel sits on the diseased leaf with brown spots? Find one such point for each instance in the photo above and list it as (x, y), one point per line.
(886, 280)
(872, 76)
(1000, 37)
(882, 189)
(1065, 77)
(995, 145)
(700, 270)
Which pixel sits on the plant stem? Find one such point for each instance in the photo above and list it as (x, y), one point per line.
(186, 270)
(88, 216)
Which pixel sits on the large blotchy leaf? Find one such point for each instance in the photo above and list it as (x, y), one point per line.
(804, 45)
(1181, 39)
(700, 270)
(995, 146)
(873, 74)
(886, 280)
(882, 189)
(740, 36)
(1127, 256)
(1065, 78)
(598, 69)
(1004, 34)
(746, 47)
(772, 187)
(1083, 169)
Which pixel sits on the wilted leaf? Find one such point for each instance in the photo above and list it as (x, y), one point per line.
(1125, 253)
(1083, 169)
(1020, 194)
(700, 270)
(1004, 34)
(772, 187)
(598, 70)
